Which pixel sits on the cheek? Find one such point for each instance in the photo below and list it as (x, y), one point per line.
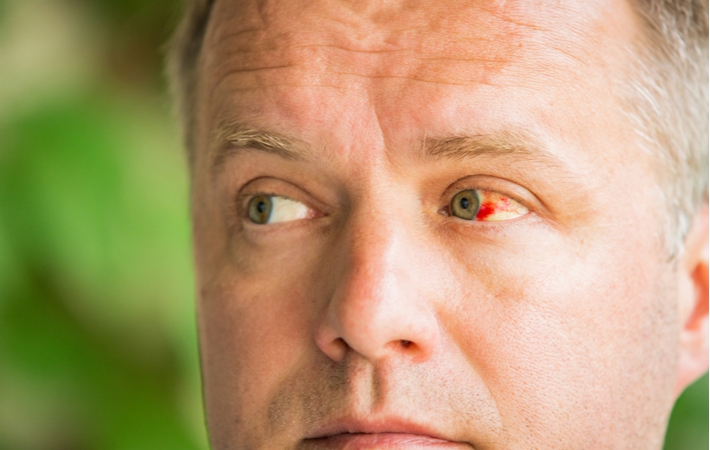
(561, 338)
(254, 331)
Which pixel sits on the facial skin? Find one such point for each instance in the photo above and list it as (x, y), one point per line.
(369, 315)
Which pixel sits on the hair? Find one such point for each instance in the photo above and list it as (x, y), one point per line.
(669, 105)
(666, 94)
(183, 54)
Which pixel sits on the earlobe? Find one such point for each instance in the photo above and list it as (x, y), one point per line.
(693, 361)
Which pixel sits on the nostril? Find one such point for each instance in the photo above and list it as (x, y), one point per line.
(412, 349)
(341, 344)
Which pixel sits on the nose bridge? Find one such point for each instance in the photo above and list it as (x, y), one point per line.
(376, 307)
(370, 276)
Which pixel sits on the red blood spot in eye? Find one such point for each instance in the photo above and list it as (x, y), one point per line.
(486, 209)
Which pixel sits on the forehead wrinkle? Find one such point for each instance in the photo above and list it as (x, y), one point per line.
(258, 73)
(266, 44)
(362, 35)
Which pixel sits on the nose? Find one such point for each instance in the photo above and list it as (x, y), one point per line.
(379, 306)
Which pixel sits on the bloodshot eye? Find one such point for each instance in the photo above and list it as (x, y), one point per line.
(269, 209)
(489, 206)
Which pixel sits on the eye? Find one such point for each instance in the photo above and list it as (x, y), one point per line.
(488, 206)
(269, 209)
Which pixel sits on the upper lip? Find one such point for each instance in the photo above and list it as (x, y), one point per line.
(372, 426)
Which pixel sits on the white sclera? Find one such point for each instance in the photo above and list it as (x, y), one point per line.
(516, 212)
(284, 210)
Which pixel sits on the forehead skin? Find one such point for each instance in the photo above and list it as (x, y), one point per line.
(415, 50)
(556, 331)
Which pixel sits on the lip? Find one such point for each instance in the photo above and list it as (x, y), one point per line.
(391, 434)
(364, 441)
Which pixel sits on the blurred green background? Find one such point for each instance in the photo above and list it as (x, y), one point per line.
(97, 336)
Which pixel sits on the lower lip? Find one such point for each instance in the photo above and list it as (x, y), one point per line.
(365, 441)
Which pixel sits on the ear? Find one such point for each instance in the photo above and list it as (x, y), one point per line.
(693, 268)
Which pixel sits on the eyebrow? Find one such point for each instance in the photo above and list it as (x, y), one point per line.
(522, 146)
(234, 138)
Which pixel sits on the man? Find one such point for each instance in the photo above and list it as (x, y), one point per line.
(446, 224)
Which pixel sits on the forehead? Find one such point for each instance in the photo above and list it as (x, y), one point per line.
(441, 41)
(410, 66)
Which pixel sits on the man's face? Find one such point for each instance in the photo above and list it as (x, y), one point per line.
(423, 224)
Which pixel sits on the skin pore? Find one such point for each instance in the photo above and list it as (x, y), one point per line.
(362, 310)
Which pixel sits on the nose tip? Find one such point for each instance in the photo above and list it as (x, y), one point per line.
(377, 309)
(375, 343)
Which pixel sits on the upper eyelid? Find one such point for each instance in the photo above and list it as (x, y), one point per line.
(502, 186)
(452, 192)
(281, 188)
(244, 198)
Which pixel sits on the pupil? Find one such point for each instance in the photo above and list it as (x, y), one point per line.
(464, 203)
(261, 207)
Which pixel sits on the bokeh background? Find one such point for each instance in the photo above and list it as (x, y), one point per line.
(97, 330)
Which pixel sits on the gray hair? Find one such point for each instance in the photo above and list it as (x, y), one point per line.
(668, 103)
(667, 95)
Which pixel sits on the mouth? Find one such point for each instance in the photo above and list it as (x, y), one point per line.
(363, 441)
(381, 435)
